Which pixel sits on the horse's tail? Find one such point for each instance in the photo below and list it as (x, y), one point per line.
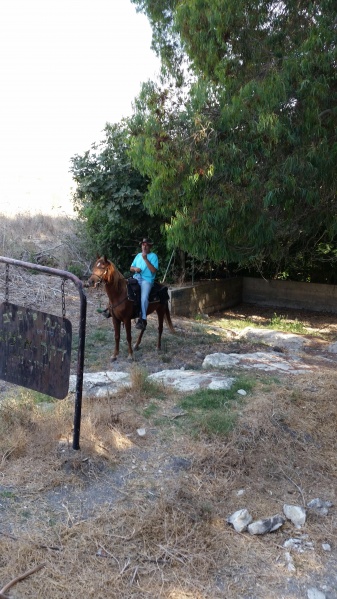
(168, 320)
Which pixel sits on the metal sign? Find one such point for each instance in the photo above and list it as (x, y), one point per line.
(35, 349)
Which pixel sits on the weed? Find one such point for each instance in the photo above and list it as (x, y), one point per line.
(214, 411)
(280, 322)
(216, 423)
(7, 495)
(151, 409)
(143, 386)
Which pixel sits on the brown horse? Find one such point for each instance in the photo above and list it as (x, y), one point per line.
(123, 309)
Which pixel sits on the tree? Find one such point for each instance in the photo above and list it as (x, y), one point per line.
(109, 199)
(244, 159)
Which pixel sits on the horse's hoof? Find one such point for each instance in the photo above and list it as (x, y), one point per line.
(113, 358)
(136, 348)
(130, 357)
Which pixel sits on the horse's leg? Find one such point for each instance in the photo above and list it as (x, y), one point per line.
(160, 315)
(139, 340)
(117, 329)
(127, 323)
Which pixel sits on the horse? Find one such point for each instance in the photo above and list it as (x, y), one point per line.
(122, 309)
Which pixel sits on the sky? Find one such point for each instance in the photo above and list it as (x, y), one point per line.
(66, 68)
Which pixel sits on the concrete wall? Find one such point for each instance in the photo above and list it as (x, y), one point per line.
(290, 294)
(212, 296)
(206, 297)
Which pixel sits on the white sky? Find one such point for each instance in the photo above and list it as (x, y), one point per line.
(66, 68)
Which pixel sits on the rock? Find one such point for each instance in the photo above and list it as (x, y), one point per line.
(260, 527)
(332, 348)
(319, 506)
(293, 544)
(298, 544)
(296, 514)
(326, 547)
(101, 384)
(191, 380)
(240, 520)
(242, 392)
(274, 338)
(289, 562)
(141, 432)
(267, 361)
(315, 594)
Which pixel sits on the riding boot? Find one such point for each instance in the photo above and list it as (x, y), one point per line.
(141, 324)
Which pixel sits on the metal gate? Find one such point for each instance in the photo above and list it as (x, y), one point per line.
(36, 346)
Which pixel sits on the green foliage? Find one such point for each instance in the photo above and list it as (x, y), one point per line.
(108, 198)
(214, 412)
(242, 161)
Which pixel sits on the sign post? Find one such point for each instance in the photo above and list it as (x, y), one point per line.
(35, 347)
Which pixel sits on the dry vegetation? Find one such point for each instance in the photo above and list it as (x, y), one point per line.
(138, 517)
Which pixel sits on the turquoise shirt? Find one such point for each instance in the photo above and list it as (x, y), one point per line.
(145, 273)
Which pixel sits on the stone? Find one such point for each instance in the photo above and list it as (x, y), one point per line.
(315, 594)
(289, 562)
(326, 547)
(266, 361)
(261, 527)
(319, 506)
(274, 338)
(242, 392)
(296, 514)
(101, 384)
(191, 380)
(240, 520)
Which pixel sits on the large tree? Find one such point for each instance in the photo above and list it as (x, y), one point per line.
(244, 159)
(109, 199)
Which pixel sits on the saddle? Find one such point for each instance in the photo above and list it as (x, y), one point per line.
(158, 293)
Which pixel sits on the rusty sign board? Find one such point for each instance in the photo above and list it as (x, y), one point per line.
(35, 349)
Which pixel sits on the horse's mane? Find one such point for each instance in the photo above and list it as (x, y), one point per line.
(114, 277)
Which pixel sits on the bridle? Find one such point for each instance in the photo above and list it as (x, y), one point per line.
(100, 281)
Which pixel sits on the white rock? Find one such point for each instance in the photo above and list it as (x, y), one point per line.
(296, 514)
(141, 432)
(260, 527)
(289, 562)
(267, 361)
(240, 520)
(293, 544)
(242, 392)
(269, 337)
(315, 594)
(326, 547)
(191, 380)
(319, 506)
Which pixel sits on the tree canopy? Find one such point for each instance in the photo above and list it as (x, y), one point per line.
(242, 159)
(109, 199)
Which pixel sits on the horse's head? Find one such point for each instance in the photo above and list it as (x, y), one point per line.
(102, 272)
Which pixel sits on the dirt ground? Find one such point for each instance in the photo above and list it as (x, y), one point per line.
(132, 516)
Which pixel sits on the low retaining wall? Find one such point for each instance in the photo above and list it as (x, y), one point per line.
(213, 296)
(206, 297)
(290, 294)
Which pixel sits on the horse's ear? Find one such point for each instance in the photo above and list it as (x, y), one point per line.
(105, 258)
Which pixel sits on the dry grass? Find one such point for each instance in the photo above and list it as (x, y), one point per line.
(131, 524)
(138, 517)
(44, 239)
